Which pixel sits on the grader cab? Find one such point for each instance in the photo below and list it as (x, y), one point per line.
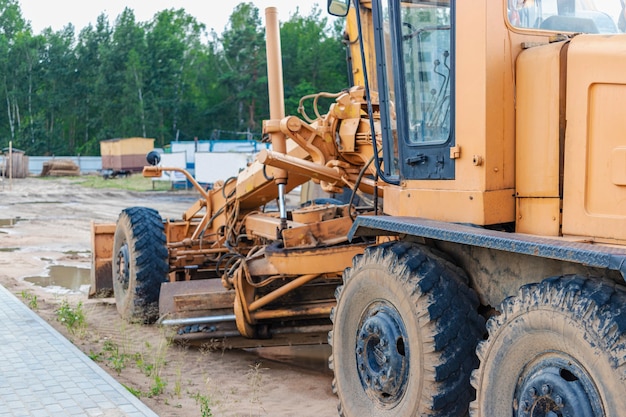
(484, 276)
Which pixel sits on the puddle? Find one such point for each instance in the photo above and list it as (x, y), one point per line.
(313, 357)
(63, 280)
(9, 249)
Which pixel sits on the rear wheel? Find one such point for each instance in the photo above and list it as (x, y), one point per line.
(404, 333)
(139, 263)
(557, 349)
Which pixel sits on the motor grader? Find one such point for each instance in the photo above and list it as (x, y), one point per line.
(486, 274)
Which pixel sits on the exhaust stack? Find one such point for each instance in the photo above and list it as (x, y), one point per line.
(277, 101)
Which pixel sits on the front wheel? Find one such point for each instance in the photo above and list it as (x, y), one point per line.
(139, 263)
(558, 348)
(404, 332)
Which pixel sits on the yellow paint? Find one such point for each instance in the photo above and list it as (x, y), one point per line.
(594, 204)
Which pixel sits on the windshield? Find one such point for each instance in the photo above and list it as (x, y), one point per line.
(577, 16)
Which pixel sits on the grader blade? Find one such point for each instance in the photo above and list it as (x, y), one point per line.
(285, 336)
(202, 310)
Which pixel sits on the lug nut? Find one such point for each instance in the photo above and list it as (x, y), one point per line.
(546, 389)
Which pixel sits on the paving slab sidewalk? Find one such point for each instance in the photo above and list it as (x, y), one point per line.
(43, 374)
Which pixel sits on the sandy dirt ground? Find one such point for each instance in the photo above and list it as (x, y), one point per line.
(46, 223)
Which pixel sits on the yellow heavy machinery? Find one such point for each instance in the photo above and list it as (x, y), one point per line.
(486, 276)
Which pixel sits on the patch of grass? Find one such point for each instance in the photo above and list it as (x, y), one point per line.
(135, 182)
(72, 317)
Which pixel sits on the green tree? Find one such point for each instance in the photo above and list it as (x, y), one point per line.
(91, 50)
(12, 26)
(165, 78)
(53, 121)
(117, 84)
(313, 57)
(243, 67)
(172, 43)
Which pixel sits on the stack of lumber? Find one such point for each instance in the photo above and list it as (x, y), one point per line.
(60, 168)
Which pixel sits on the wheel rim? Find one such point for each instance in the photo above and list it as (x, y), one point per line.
(123, 273)
(554, 385)
(382, 354)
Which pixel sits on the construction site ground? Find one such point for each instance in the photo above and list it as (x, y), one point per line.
(44, 261)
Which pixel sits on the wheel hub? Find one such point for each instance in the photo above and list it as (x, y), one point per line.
(123, 274)
(382, 354)
(556, 387)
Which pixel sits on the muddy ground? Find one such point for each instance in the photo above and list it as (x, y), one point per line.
(46, 223)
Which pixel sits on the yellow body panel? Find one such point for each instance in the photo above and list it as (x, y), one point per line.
(540, 101)
(594, 201)
(459, 206)
(539, 216)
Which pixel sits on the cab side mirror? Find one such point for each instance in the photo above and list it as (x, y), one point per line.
(338, 7)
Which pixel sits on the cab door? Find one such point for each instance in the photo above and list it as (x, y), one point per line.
(415, 52)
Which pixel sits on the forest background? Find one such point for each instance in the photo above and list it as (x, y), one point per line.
(167, 78)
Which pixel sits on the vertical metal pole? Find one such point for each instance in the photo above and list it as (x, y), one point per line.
(10, 165)
(277, 100)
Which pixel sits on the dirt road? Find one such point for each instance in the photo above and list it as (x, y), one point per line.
(46, 223)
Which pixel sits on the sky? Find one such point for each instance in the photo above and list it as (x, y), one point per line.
(214, 14)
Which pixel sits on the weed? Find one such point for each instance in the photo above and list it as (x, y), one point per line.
(31, 298)
(73, 318)
(133, 391)
(214, 345)
(151, 364)
(144, 366)
(32, 303)
(255, 380)
(157, 387)
(205, 404)
(95, 356)
(177, 382)
(117, 360)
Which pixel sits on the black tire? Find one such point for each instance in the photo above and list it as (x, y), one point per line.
(406, 313)
(557, 348)
(140, 263)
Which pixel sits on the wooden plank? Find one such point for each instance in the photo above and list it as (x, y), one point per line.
(329, 232)
(204, 301)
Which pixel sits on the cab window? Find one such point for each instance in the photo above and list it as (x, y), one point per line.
(426, 46)
(574, 16)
